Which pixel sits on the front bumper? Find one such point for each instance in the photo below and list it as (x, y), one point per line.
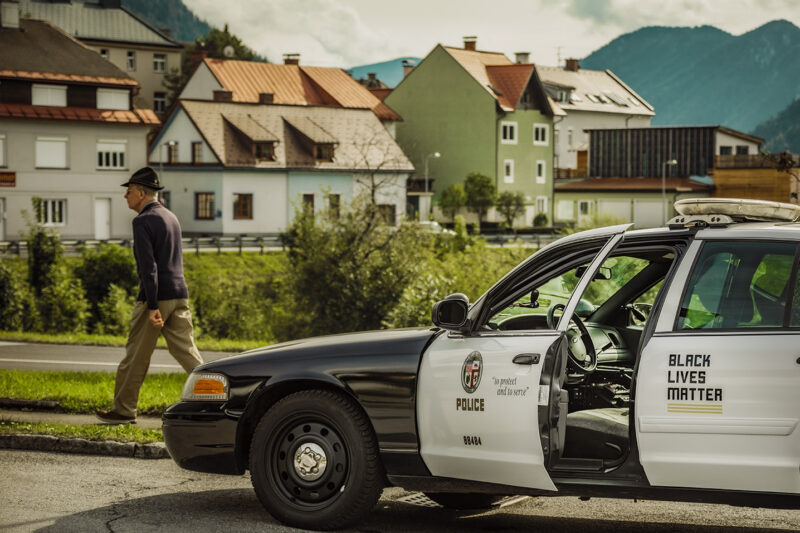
(201, 436)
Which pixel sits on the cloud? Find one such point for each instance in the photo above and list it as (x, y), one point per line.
(324, 32)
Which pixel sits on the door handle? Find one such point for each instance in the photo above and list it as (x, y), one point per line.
(526, 359)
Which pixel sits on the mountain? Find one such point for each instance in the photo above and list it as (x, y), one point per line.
(389, 72)
(172, 14)
(782, 132)
(704, 75)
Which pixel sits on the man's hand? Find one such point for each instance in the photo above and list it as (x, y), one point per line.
(155, 318)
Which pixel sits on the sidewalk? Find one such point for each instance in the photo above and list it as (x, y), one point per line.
(49, 443)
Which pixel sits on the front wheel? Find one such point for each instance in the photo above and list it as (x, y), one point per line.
(314, 461)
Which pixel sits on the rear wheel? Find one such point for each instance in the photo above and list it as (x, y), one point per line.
(467, 500)
(314, 461)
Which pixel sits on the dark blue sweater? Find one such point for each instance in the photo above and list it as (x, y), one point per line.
(159, 256)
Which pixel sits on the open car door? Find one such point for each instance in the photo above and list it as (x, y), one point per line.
(490, 405)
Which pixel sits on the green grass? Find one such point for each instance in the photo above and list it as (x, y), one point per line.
(126, 433)
(84, 392)
(86, 339)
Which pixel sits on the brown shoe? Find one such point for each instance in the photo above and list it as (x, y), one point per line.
(110, 417)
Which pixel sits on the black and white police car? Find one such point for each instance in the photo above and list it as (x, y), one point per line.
(659, 363)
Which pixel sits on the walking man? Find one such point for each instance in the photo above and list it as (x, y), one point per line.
(163, 302)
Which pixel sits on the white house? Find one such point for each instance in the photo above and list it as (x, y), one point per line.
(69, 133)
(592, 99)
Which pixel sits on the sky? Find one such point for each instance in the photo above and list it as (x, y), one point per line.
(348, 33)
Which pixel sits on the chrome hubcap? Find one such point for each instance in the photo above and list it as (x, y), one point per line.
(310, 461)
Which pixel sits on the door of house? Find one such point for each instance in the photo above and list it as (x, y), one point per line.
(583, 164)
(102, 218)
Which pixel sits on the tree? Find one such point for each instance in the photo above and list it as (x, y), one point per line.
(378, 159)
(453, 198)
(481, 193)
(510, 204)
(44, 248)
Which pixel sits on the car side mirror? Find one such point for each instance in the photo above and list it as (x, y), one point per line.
(451, 313)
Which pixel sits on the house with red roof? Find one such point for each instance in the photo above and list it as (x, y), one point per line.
(69, 132)
(480, 112)
(249, 143)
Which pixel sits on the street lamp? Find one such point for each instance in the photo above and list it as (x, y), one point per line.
(435, 155)
(671, 163)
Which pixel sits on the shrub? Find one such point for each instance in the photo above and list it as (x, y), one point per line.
(114, 311)
(540, 220)
(453, 198)
(62, 303)
(17, 307)
(100, 268)
(44, 251)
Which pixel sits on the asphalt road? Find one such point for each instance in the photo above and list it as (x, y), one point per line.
(62, 493)
(28, 356)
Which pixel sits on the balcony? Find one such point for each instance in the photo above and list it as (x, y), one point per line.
(417, 185)
(747, 161)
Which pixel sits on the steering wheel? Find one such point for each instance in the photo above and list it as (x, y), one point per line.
(582, 356)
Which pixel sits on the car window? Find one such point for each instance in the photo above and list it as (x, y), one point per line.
(738, 285)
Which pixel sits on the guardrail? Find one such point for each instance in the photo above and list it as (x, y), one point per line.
(234, 243)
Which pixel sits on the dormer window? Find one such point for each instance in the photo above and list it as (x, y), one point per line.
(52, 95)
(264, 151)
(323, 152)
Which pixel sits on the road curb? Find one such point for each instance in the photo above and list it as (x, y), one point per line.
(38, 405)
(49, 443)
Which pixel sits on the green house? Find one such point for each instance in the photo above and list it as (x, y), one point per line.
(482, 113)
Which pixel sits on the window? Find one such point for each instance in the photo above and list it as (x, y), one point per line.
(159, 102)
(52, 95)
(131, 63)
(540, 135)
(159, 62)
(725, 150)
(569, 137)
(335, 204)
(172, 152)
(104, 53)
(113, 99)
(51, 152)
(541, 205)
(308, 202)
(265, 151)
(541, 171)
(111, 154)
(52, 212)
(165, 197)
(566, 210)
(742, 149)
(243, 206)
(323, 152)
(3, 151)
(584, 207)
(508, 171)
(204, 206)
(508, 133)
(556, 136)
(739, 285)
(197, 152)
(388, 213)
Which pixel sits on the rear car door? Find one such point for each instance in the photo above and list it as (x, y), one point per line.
(718, 384)
(488, 400)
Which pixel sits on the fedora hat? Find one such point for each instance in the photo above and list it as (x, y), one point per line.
(147, 177)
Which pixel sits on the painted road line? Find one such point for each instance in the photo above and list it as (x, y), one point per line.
(94, 363)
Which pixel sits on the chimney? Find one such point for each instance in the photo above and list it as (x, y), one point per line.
(291, 59)
(572, 65)
(266, 98)
(166, 32)
(408, 66)
(223, 96)
(470, 42)
(522, 57)
(9, 14)
(195, 58)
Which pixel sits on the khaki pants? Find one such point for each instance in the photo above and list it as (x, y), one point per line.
(142, 339)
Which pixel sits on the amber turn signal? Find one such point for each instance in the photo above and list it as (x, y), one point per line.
(208, 386)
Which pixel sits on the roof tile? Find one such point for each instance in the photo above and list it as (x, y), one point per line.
(136, 116)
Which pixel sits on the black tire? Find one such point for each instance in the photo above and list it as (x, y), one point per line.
(333, 495)
(466, 500)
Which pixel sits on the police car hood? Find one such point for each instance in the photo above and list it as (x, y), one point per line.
(380, 344)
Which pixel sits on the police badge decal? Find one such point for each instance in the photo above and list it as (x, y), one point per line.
(471, 372)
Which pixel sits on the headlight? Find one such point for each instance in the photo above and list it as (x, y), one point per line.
(202, 386)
